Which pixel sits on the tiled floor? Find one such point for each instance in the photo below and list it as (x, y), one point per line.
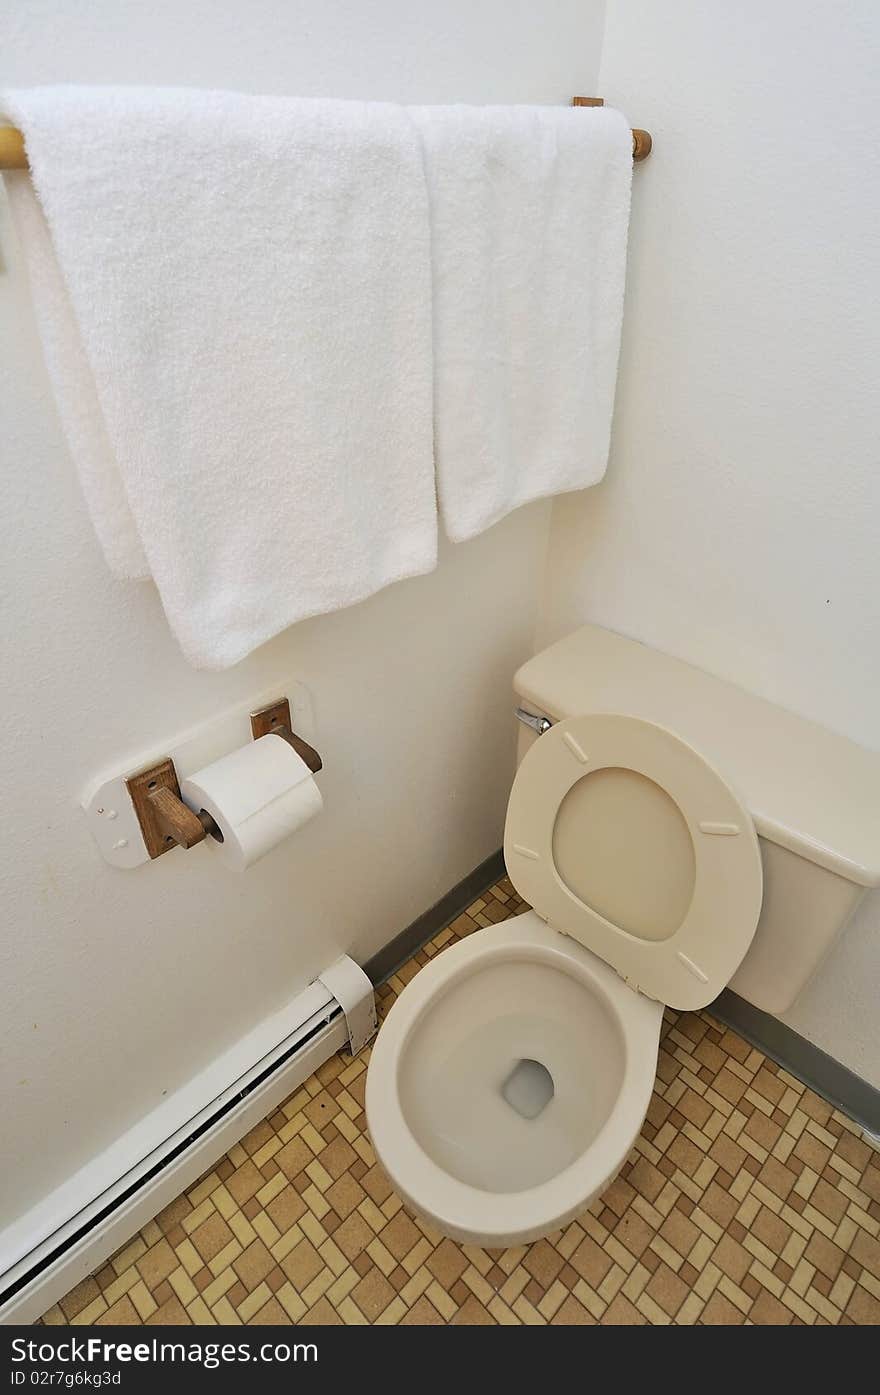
(747, 1199)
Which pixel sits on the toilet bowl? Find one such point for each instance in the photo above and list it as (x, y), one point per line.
(491, 1150)
(512, 1075)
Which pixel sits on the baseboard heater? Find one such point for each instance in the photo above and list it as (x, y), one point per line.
(337, 1009)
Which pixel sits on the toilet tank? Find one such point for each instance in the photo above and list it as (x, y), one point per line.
(814, 796)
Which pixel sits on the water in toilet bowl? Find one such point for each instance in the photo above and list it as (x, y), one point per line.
(510, 1075)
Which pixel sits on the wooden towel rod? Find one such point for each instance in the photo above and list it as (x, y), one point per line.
(14, 157)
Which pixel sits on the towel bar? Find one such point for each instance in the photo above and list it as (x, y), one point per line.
(642, 141)
(12, 153)
(14, 157)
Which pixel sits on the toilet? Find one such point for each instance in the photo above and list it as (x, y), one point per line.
(673, 835)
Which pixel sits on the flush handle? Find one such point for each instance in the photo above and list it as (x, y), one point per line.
(538, 724)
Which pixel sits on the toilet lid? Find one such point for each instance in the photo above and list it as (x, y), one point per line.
(621, 835)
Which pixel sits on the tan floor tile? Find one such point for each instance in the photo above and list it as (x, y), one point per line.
(731, 1258)
(211, 1236)
(680, 1233)
(253, 1302)
(400, 1236)
(769, 1311)
(79, 1298)
(172, 1314)
(865, 1250)
(472, 1313)
(294, 1157)
(224, 1313)
(445, 1306)
(285, 1208)
(253, 1264)
(222, 1260)
(183, 1286)
(825, 1255)
(543, 1262)
(571, 1313)
(143, 1300)
(123, 1313)
(634, 1232)
(590, 1261)
(157, 1263)
(302, 1264)
(244, 1182)
(90, 1315)
(720, 1312)
(373, 1294)
(422, 1314)
(863, 1307)
(270, 1315)
(447, 1263)
(666, 1289)
(622, 1313)
(345, 1195)
(323, 1314)
(647, 1180)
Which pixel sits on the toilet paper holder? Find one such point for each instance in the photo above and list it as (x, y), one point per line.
(166, 822)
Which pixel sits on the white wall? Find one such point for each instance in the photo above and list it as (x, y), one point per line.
(118, 986)
(738, 524)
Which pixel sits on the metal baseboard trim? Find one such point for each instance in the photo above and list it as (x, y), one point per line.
(835, 1082)
(404, 945)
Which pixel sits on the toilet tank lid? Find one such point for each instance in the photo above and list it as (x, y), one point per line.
(808, 789)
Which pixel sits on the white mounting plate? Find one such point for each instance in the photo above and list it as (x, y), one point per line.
(109, 811)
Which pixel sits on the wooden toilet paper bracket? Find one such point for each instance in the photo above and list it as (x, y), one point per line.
(274, 720)
(166, 822)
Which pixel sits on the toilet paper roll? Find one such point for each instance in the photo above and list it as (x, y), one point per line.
(258, 796)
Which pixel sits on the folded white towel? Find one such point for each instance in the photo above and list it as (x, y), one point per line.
(243, 366)
(529, 209)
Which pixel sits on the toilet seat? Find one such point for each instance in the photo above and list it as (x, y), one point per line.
(411, 1135)
(622, 836)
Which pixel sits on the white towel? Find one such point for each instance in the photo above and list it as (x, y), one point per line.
(529, 209)
(243, 366)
